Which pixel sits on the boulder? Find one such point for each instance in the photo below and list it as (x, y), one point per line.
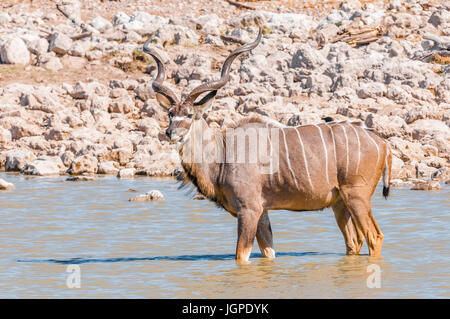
(54, 64)
(5, 186)
(151, 196)
(84, 164)
(101, 24)
(120, 18)
(60, 43)
(108, 168)
(5, 136)
(286, 22)
(38, 46)
(421, 128)
(387, 126)
(18, 158)
(308, 58)
(14, 51)
(430, 185)
(81, 178)
(5, 18)
(126, 173)
(209, 24)
(43, 167)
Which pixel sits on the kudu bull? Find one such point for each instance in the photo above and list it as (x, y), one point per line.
(335, 164)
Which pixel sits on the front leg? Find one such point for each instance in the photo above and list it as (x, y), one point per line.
(265, 237)
(247, 226)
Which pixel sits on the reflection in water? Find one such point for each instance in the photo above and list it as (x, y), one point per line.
(183, 248)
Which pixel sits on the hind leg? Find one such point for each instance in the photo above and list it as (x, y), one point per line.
(358, 204)
(353, 237)
(265, 237)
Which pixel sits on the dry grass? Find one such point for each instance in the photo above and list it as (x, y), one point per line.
(441, 59)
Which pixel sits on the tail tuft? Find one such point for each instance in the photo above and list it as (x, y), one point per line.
(385, 192)
(387, 172)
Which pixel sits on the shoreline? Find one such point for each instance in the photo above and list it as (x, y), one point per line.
(76, 96)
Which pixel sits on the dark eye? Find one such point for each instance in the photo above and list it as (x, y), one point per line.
(190, 116)
(170, 115)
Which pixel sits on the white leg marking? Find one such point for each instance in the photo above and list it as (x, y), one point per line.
(325, 151)
(346, 149)
(359, 148)
(304, 158)
(287, 158)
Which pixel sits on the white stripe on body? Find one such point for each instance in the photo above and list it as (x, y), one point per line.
(334, 145)
(304, 158)
(326, 152)
(287, 158)
(270, 164)
(376, 145)
(346, 150)
(359, 149)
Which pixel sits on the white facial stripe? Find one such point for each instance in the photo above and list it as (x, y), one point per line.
(304, 158)
(178, 118)
(287, 158)
(325, 151)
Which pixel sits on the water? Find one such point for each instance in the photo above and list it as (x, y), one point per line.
(184, 248)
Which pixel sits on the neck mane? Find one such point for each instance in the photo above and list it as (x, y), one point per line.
(201, 141)
(201, 154)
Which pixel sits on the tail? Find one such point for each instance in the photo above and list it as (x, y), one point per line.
(387, 172)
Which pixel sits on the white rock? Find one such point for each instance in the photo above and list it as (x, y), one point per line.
(84, 164)
(4, 185)
(420, 128)
(147, 18)
(17, 159)
(108, 168)
(72, 8)
(54, 64)
(5, 18)
(120, 18)
(101, 24)
(151, 196)
(307, 57)
(14, 51)
(209, 24)
(126, 173)
(60, 43)
(427, 185)
(5, 136)
(286, 22)
(42, 167)
(38, 46)
(371, 90)
(387, 126)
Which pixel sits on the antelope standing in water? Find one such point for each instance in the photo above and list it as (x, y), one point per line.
(318, 166)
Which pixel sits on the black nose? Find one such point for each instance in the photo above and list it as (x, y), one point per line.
(168, 133)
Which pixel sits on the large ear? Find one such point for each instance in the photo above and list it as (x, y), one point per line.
(204, 104)
(164, 101)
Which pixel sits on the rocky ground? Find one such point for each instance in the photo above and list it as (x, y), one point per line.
(76, 96)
